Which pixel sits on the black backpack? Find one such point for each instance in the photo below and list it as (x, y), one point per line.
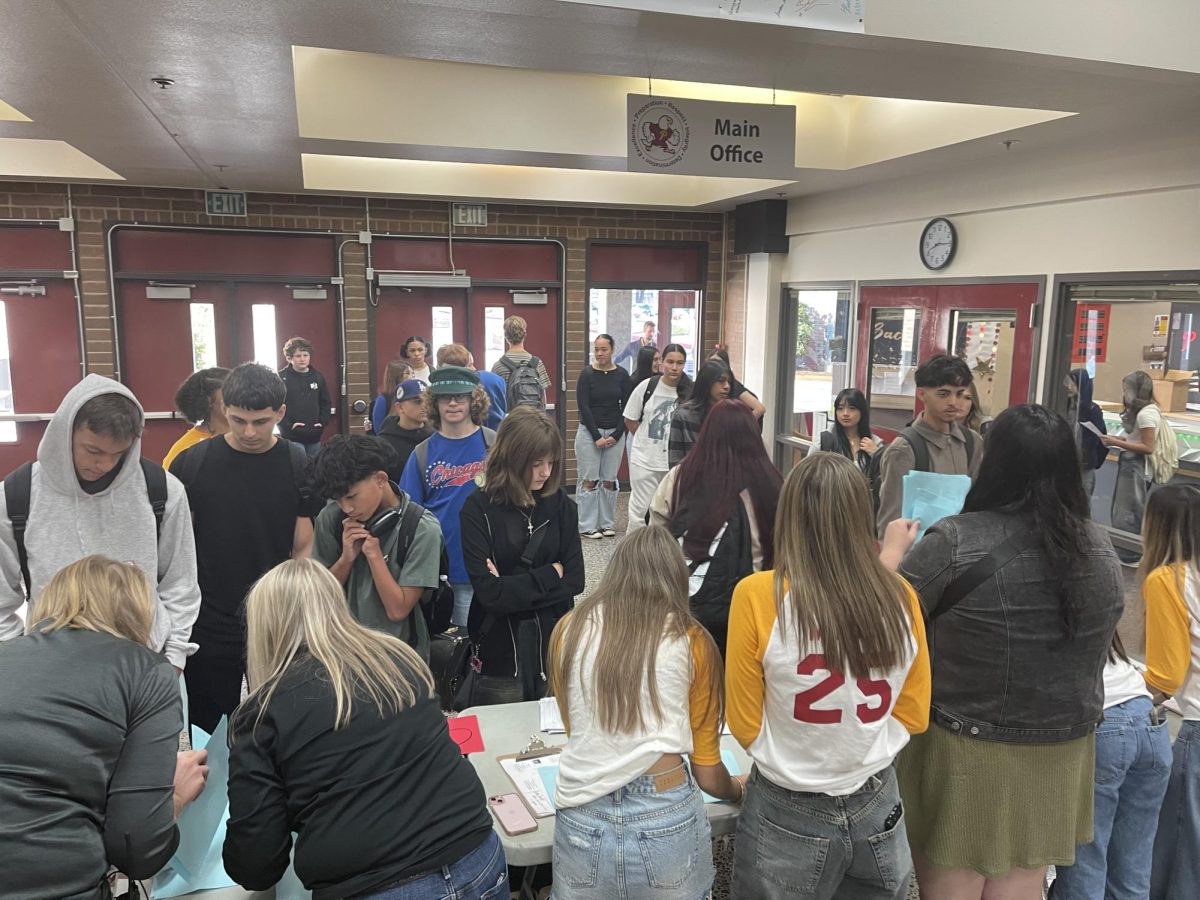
(524, 384)
(731, 561)
(18, 485)
(682, 390)
(437, 603)
(874, 470)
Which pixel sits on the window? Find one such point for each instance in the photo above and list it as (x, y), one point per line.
(633, 315)
(493, 335)
(442, 332)
(8, 430)
(204, 336)
(985, 339)
(266, 347)
(894, 345)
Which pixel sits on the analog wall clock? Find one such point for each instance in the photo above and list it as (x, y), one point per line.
(938, 243)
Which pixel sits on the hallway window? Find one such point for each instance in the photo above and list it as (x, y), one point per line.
(8, 430)
(204, 336)
(266, 347)
(634, 317)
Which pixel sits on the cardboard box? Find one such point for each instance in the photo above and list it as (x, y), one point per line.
(1171, 391)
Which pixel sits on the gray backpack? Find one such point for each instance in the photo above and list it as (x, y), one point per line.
(524, 385)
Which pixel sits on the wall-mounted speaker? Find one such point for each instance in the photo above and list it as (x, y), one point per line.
(761, 227)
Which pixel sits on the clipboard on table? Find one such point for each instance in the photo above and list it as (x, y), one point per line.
(531, 770)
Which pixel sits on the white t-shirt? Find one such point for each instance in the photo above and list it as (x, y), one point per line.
(421, 375)
(654, 433)
(1149, 417)
(1122, 681)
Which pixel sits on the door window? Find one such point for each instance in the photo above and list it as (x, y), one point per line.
(266, 347)
(893, 356)
(493, 335)
(630, 315)
(985, 339)
(204, 336)
(8, 430)
(442, 328)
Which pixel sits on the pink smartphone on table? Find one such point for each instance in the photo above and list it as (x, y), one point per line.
(514, 817)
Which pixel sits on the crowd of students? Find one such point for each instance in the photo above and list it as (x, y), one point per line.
(801, 611)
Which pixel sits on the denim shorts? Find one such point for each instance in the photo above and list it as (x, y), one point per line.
(635, 843)
(794, 844)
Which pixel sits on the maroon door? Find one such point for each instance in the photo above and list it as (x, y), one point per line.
(990, 325)
(490, 306)
(223, 324)
(43, 364)
(439, 315)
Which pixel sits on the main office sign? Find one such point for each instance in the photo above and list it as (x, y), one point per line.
(706, 137)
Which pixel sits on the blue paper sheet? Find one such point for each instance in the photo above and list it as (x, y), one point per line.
(931, 496)
(549, 775)
(197, 864)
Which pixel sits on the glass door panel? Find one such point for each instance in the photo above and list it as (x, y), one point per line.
(985, 339)
(893, 355)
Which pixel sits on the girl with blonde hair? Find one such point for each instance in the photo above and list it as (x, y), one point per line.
(91, 729)
(827, 675)
(521, 548)
(343, 742)
(638, 683)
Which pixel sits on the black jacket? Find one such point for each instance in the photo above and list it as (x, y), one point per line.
(501, 533)
(387, 797)
(403, 440)
(308, 402)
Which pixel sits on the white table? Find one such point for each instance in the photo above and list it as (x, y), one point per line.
(506, 729)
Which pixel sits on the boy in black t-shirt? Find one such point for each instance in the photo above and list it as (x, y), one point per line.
(249, 514)
(307, 408)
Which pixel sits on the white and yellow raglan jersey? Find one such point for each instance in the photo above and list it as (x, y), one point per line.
(807, 728)
(1172, 596)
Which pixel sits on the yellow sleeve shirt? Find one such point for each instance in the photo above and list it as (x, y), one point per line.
(1168, 639)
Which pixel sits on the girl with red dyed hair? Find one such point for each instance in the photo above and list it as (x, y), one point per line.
(720, 502)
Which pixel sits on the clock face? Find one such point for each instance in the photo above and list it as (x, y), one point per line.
(938, 242)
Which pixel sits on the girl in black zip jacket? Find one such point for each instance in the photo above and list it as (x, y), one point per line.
(521, 548)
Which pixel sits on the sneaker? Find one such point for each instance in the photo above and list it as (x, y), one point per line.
(608, 532)
(593, 535)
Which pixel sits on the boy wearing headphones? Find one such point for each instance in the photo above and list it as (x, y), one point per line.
(360, 538)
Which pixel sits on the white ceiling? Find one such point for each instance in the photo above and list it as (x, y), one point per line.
(80, 71)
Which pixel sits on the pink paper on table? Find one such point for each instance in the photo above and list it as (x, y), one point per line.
(465, 732)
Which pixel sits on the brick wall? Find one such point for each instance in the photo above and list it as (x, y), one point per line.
(95, 205)
(733, 333)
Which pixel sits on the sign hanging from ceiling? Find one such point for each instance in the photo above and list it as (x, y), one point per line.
(828, 15)
(704, 137)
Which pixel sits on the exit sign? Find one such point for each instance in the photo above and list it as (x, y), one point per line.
(225, 203)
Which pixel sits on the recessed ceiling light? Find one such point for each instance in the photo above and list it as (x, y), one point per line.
(162, 82)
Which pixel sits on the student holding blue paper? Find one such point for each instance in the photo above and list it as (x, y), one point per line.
(638, 684)
(1023, 594)
(936, 441)
(91, 719)
(342, 741)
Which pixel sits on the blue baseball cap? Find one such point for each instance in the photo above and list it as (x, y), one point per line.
(409, 390)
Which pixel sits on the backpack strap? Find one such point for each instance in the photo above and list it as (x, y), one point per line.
(919, 447)
(299, 460)
(17, 487)
(978, 573)
(969, 439)
(193, 459)
(489, 437)
(508, 367)
(156, 490)
(650, 388)
(409, 520)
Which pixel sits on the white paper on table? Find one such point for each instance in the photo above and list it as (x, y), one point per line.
(551, 719)
(1093, 429)
(524, 774)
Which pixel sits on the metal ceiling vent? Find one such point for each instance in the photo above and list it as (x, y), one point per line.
(470, 215)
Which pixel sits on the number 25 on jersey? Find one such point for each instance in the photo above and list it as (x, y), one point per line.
(807, 711)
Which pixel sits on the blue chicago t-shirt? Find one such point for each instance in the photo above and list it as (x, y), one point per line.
(450, 469)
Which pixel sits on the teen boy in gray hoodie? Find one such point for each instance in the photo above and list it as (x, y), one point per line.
(88, 495)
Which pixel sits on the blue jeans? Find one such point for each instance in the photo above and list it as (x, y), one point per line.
(793, 844)
(1133, 762)
(635, 843)
(1175, 874)
(462, 603)
(598, 506)
(480, 875)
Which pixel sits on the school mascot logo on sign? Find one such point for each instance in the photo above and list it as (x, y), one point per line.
(659, 133)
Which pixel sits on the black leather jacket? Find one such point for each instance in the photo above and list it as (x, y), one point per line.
(1003, 666)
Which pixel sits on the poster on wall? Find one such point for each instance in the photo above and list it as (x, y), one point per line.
(1089, 340)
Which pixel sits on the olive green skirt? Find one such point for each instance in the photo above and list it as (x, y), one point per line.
(991, 806)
